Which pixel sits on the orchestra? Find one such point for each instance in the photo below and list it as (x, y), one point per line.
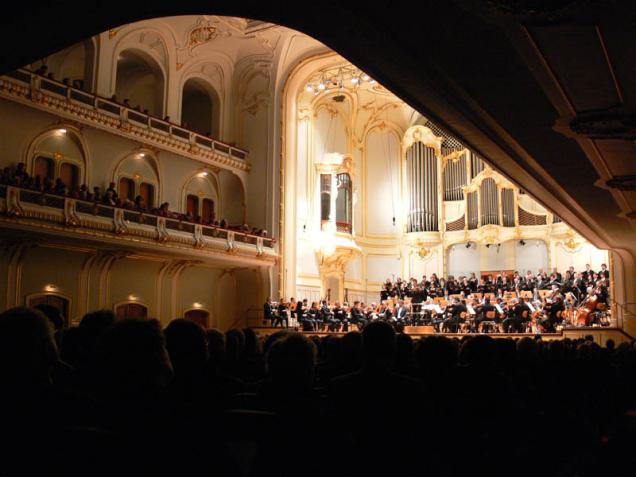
(505, 303)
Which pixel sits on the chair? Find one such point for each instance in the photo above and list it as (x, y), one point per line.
(489, 321)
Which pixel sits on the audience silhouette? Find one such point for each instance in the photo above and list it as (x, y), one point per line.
(125, 396)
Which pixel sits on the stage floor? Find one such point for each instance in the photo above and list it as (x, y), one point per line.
(598, 334)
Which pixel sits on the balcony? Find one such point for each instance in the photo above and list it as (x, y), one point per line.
(49, 213)
(53, 96)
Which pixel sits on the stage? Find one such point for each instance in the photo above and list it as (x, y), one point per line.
(600, 335)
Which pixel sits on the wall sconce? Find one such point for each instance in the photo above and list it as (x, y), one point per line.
(197, 305)
(62, 131)
(133, 297)
(50, 287)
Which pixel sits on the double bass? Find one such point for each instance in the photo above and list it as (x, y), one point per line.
(584, 317)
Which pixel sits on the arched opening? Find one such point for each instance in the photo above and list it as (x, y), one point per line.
(59, 153)
(200, 317)
(58, 302)
(200, 107)
(140, 80)
(138, 175)
(73, 65)
(131, 310)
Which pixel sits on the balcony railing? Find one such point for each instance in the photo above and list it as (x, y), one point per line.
(78, 99)
(75, 214)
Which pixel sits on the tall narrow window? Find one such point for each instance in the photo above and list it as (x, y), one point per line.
(325, 197)
(126, 188)
(69, 173)
(147, 191)
(344, 206)
(44, 167)
(207, 210)
(193, 205)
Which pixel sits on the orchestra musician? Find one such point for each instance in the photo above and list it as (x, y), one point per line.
(454, 313)
(340, 317)
(268, 311)
(484, 313)
(357, 315)
(554, 310)
(282, 314)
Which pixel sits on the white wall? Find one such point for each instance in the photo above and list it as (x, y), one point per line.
(381, 267)
(531, 256)
(382, 183)
(462, 260)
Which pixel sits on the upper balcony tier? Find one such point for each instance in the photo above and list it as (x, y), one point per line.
(71, 103)
(35, 211)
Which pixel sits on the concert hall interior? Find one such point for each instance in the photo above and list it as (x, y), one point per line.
(216, 219)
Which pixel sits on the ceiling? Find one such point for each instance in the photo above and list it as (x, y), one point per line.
(542, 88)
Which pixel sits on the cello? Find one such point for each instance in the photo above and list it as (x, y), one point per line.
(584, 317)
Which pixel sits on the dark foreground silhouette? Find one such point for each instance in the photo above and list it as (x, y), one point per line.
(127, 397)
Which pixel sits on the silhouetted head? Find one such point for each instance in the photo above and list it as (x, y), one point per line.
(53, 314)
(132, 361)
(216, 345)
(480, 351)
(351, 349)
(187, 345)
(436, 349)
(378, 343)
(27, 349)
(234, 345)
(291, 361)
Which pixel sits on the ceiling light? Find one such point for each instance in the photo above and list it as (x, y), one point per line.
(62, 131)
(366, 77)
(203, 174)
(310, 88)
(355, 80)
(321, 86)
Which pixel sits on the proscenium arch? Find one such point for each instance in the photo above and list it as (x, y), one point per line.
(72, 133)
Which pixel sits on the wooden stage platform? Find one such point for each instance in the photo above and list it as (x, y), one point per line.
(599, 334)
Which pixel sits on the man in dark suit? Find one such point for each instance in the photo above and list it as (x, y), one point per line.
(357, 316)
(268, 312)
(482, 316)
(452, 322)
(340, 318)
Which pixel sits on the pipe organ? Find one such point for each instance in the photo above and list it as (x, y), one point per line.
(472, 206)
(489, 201)
(455, 179)
(476, 165)
(421, 177)
(508, 207)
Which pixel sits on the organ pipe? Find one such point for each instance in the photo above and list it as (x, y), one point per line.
(422, 180)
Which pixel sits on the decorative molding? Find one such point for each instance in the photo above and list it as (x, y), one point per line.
(605, 124)
(425, 136)
(118, 125)
(624, 183)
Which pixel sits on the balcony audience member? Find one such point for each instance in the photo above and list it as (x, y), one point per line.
(112, 187)
(127, 103)
(60, 188)
(37, 183)
(109, 198)
(47, 185)
(140, 204)
(97, 194)
(84, 194)
(42, 70)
